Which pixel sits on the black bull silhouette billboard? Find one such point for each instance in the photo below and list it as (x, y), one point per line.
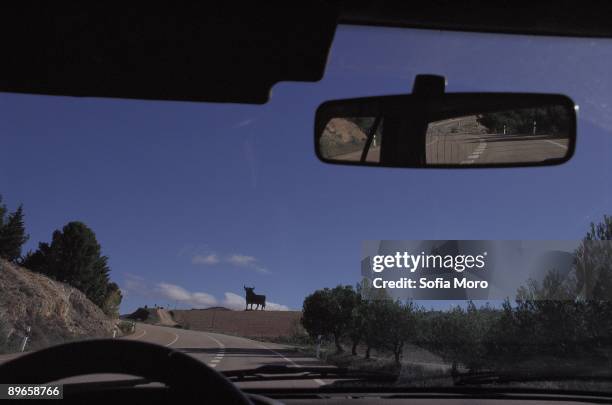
(254, 299)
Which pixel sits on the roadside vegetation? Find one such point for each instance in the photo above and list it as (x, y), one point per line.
(558, 326)
(126, 327)
(550, 120)
(38, 300)
(12, 233)
(73, 257)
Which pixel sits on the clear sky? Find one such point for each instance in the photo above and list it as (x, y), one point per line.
(191, 201)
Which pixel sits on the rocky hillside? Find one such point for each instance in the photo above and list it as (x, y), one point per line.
(55, 311)
(341, 136)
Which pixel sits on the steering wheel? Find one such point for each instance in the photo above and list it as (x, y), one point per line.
(187, 377)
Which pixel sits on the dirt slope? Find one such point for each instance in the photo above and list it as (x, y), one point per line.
(55, 311)
(164, 317)
(155, 316)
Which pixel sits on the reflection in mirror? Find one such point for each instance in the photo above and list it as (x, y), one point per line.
(456, 130)
(346, 139)
(527, 135)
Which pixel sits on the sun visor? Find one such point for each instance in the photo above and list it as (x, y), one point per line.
(229, 52)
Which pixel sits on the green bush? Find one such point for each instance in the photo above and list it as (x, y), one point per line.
(126, 327)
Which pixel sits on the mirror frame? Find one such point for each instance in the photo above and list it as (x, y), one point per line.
(447, 105)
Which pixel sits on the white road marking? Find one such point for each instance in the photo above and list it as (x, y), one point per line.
(475, 154)
(144, 332)
(220, 344)
(175, 339)
(219, 356)
(555, 143)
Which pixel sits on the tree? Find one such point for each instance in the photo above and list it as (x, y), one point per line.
(356, 325)
(112, 300)
(593, 286)
(344, 300)
(459, 335)
(400, 321)
(561, 317)
(316, 313)
(375, 323)
(550, 120)
(12, 234)
(74, 257)
(37, 260)
(368, 317)
(593, 265)
(444, 334)
(328, 312)
(2, 212)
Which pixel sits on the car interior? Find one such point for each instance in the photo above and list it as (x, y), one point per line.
(240, 56)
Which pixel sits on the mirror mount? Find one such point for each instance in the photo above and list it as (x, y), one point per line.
(429, 85)
(404, 135)
(403, 138)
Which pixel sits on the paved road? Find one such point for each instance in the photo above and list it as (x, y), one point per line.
(372, 156)
(224, 352)
(221, 352)
(490, 148)
(476, 149)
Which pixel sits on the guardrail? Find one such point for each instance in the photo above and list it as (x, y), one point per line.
(15, 341)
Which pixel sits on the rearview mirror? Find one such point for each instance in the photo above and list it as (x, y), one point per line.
(430, 128)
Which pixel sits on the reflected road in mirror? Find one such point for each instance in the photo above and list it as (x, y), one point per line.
(456, 130)
(522, 135)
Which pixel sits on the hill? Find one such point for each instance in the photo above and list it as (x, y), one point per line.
(253, 324)
(56, 312)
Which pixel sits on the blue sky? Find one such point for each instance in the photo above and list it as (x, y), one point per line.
(191, 201)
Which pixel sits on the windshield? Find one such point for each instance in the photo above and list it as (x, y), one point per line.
(183, 215)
